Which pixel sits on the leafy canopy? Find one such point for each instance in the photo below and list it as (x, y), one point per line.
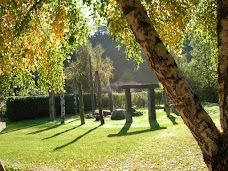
(37, 35)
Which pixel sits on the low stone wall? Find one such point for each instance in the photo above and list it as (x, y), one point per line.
(2, 126)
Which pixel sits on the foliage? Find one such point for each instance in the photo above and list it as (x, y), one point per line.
(75, 147)
(201, 70)
(172, 20)
(139, 99)
(79, 70)
(32, 107)
(34, 31)
(119, 100)
(37, 37)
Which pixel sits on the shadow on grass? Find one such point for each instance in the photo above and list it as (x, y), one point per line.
(46, 129)
(76, 139)
(124, 131)
(12, 126)
(50, 127)
(57, 134)
(154, 125)
(172, 119)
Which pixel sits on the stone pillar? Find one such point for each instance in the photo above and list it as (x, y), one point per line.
(151, 104)
(128, 105)
(62, 104)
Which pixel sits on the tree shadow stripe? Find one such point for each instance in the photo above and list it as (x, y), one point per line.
(76, 139)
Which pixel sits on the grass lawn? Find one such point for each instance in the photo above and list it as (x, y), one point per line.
(163, 145)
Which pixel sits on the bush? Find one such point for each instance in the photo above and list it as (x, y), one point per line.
(105, 100)
(139, 99)
(158, 96)
(20, 108)
(119, 100)
(31, 107)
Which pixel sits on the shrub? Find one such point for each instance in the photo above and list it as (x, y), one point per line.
(31, 107)
(105, 100)
(20, 108)
(119, 100)
(140, 99)
(158, 96)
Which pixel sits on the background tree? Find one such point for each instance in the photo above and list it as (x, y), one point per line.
(79, 70)
(199, 66)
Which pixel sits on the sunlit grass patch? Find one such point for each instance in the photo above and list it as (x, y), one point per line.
(165, 144)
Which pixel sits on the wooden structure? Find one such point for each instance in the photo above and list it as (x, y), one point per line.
(151, 99)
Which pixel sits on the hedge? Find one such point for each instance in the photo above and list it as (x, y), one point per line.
(31, 107)
(139, 99)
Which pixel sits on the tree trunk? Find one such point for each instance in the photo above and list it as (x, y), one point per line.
(91, 84)
(81, 104)
(75, 102)
(52, 105)
(62, 104)
(99, 97)
(184, 99)
(222, 29)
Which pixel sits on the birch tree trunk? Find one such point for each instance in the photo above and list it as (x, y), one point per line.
(213, 146)
(62, 104)
(52, 106)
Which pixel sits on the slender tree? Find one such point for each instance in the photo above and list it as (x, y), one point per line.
(99, 97)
